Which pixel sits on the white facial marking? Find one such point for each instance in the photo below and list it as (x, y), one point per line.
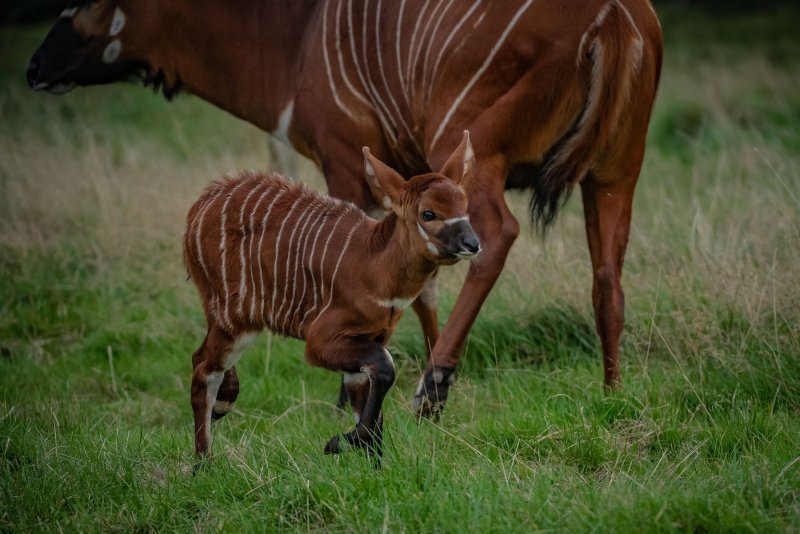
(68, 13)
(370, 170)
(284, 121)
(422, 232)
(401, 304)
(454, 220)
(355, 379)
(387, 203)
(117, 23)
(432, 248)
(111, 53)
(489, 58)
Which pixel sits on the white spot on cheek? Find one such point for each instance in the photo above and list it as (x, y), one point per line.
(111, 53)
(432, 248)
(68, 13)
(369, 168)
(422, 232)
(117, 23)
(387, 203)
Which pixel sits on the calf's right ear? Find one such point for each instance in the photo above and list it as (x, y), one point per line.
(384, 182)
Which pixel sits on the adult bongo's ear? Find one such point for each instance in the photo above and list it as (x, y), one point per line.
(384, 182)
(460, 166)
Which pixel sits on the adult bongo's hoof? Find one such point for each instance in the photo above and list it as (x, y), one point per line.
(431, 396)
(332, 447)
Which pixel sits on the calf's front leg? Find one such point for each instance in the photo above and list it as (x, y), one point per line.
(369, 374)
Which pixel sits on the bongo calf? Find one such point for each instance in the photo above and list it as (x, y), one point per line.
(265, 252)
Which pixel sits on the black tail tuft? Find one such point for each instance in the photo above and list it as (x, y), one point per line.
(551, 188)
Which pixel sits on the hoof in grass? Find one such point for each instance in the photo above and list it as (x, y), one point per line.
(431, 396)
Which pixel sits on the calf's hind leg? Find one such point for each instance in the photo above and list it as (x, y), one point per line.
(214, 383)
(226, 396)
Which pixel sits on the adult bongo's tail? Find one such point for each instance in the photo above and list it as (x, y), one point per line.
(610, 52)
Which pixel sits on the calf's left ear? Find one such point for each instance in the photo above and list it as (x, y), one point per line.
(384, 182)
(460, 166)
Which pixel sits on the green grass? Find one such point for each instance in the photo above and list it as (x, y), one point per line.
(98, 322)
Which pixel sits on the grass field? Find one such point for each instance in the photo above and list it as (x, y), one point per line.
(98, 322)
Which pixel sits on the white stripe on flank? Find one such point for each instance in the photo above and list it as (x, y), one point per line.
(450, 37)
(414, 36)
(336, 269)
(305, 260)
(454, 220)
(397, 50)
(379, 106)
(339, 219)
(311, 268)
(223, 251)
(197, 240)
(322, 258)
(250, 252)
(305, 215)
(379, 53)
(242, 260)
(425, 35)
(331, 83)
(480, 72)
(258, 254)
(342, 70)
(286, 219)
(432, 40)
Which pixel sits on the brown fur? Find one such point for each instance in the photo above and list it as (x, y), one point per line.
(252, 241)
(563, 98)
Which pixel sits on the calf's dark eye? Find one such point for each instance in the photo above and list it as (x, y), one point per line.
(428, 215)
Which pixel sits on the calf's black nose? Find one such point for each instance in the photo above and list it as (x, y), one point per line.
(470, 243)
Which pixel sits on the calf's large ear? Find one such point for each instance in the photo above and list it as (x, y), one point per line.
(384, 182)
(460, 166)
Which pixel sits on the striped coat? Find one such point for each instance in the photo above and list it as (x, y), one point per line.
(268, 250)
